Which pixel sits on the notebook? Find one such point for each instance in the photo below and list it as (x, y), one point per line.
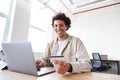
(20, 58)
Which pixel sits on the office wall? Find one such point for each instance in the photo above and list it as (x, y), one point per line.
(99, 30)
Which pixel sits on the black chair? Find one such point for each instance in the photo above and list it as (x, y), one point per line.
(97, 63)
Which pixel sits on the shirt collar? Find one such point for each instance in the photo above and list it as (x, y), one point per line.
(67, 40)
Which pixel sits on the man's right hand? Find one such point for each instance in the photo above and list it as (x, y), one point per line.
(38, 63)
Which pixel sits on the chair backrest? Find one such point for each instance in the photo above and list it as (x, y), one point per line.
(96, 62)
(96, 56)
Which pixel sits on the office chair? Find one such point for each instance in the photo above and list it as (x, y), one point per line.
(97, 63)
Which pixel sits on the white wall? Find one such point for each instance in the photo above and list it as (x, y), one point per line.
(99, 30)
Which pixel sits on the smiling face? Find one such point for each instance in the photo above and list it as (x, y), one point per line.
(60, 28)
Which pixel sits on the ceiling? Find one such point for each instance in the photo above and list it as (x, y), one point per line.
(73, 6)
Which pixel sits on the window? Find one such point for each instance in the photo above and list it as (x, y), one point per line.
(4, 6)
(2, 27)
(38, 39)
(4, 15)
(40, 28)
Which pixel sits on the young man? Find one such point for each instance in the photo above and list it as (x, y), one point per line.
(72, 48)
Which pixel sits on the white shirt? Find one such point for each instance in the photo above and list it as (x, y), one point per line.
(61, 44)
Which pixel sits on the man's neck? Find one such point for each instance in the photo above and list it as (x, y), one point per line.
(62, 38)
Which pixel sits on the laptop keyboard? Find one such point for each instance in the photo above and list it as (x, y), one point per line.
(46, 70)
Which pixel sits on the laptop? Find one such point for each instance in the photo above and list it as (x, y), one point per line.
(20, 58)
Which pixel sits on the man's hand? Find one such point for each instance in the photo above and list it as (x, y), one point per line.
(38, 63)
(61, 66)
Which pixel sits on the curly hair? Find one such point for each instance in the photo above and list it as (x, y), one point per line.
(63, 17)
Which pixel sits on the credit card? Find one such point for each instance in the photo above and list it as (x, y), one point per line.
(60, 58)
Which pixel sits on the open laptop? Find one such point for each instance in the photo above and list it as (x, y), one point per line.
(20, 58)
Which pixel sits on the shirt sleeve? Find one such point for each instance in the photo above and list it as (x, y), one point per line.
(83, 63)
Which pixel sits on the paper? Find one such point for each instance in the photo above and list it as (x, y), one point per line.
(2, 64)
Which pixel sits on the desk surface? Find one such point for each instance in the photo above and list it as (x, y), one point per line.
(9, 75)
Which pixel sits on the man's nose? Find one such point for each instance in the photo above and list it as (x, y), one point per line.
(58, 28)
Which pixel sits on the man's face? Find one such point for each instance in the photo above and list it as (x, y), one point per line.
(60, 27)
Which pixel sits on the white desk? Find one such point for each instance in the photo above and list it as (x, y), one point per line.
(9, 75)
